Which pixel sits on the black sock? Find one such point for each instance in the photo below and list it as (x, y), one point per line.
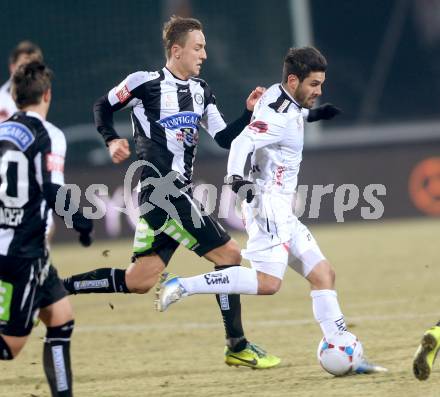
(56, 359)
(102, 280)
(5, 351)
(230, 307)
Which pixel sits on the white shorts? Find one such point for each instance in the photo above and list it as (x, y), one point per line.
(277, 238)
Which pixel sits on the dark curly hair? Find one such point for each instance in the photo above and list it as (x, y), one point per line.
(302, 61)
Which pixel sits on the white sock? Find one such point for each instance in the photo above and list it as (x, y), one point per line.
(327, 311)
(233, 280)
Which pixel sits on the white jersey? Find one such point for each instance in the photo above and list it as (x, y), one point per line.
(275, 137)
(7, 104)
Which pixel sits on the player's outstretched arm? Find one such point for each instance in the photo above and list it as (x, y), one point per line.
(103, 113)
(51, 155)
(240, 149)
(80, 223)
(246, 190)
(225, 137)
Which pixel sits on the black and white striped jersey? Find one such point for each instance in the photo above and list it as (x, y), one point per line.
(166, 114)
(32, 153)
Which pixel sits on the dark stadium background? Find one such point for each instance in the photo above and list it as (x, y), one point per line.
(384, 72)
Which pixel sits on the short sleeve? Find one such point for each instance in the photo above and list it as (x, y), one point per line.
(129, 89)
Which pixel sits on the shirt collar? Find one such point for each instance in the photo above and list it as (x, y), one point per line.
(34, 114)
(6, 86)
(290, 97)
(170, 75)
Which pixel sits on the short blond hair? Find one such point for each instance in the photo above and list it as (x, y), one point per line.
(175, 31)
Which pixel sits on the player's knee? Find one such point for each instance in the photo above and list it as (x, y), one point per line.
(269, 289)
(60, 332)
(268, 285)
(227, 254)
(141, 289)
(139, 286)
(143, 275)
(329, 275)
(232, 252)
(323, 276)
(332, 276)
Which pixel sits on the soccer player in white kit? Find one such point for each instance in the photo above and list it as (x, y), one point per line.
(24, 52)
(275, 138)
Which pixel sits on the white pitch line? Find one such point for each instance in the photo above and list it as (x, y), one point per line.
(172, 327)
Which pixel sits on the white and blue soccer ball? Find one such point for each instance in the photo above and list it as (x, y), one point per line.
(340, 354)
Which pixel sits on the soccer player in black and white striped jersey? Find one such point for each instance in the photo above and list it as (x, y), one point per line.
(167, 109)
(24, 52)
(32, 152)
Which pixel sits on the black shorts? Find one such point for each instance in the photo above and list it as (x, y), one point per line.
(180, 220)
(26, 285)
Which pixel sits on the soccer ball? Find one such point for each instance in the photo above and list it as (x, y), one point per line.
(340, 354)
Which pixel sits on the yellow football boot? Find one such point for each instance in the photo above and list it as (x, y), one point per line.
(426, 353)
(252, 356)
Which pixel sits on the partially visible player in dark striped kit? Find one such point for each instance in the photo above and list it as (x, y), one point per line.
(167, 109)
(32, 152)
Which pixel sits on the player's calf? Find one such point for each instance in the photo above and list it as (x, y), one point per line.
(229, 280)
(104, 280)
(56, 359)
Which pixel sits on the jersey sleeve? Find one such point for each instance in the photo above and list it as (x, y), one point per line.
(212, 120)
(52, 155)
(266, 129)
(128, 93)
